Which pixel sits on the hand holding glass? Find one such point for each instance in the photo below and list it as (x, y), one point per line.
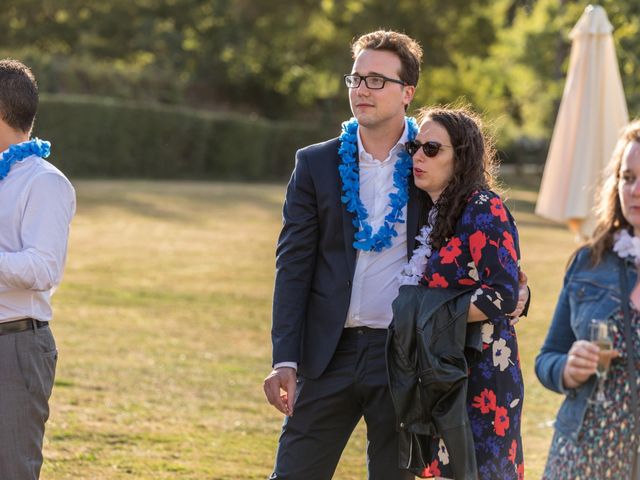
(599, 335)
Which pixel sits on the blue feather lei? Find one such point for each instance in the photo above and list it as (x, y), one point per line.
(17, 153)
(365, 239)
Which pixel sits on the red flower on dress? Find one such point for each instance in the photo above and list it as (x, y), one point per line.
(512, 451)
(477, 242)
(508, 244)
(451, 250)
(521, 471)
(431, 470)
(501, 421)
(497, 208)
(486, 401)
(438, 281)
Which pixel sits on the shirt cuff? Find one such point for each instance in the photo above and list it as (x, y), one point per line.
(293, 365)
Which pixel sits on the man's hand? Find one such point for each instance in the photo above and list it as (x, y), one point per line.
(279, 380)
(523, 296)
(582, 362)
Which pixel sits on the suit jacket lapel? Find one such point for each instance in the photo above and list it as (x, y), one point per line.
(348, 229)
(413, 213)
(349, 232)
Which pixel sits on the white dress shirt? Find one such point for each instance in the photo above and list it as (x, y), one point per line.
(375, 282)
(37, 203)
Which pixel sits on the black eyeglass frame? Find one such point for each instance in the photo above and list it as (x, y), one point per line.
(430, 149)
(365, 77)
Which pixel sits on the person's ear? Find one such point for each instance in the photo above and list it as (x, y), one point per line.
(407, 94)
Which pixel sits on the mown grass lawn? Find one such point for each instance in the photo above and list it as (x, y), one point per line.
(163, 322)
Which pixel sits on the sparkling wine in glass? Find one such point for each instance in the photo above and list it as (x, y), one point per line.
(600, 335)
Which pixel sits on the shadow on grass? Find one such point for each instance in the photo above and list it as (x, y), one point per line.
(176, 201)
(185, 202)
(126, 296)
(63, 383)
(105, 438)
(526, 182)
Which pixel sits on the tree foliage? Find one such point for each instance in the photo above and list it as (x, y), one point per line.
(283, 59)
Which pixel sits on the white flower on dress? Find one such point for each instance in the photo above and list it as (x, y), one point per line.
(476, 294)
(501, 354)
(482, 198)
(495, 298)
(487, 332)
(443, 454)
(473, 271)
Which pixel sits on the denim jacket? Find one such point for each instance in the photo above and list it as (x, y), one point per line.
(588, 293)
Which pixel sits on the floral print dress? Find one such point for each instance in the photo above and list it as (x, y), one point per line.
(484, 252)
(606, 442)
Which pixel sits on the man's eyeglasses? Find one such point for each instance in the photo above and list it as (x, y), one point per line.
(430, 149)
(374, 82)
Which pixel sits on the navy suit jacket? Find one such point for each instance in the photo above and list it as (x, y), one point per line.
(315, 260)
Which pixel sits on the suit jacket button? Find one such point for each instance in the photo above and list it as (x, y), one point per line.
(348, 283)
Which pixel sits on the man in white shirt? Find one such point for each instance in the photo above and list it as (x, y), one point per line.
(336, 272)
(37, 204)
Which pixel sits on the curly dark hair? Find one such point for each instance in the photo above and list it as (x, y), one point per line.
(18, 95)
(608, 208)
(474, 165)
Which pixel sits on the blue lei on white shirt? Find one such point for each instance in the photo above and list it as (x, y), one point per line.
(365, 239)
(20, 151)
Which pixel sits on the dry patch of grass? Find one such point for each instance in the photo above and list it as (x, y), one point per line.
(163, 322)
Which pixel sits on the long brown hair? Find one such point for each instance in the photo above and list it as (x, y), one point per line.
(608, 208)
(474, 165)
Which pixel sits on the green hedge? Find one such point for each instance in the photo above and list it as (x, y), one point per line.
(105, 137)
(101, 137)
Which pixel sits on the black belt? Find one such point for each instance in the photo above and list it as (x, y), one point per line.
(21, 325)
(355, 332)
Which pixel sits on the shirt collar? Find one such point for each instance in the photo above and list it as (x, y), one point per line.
(365, 156)
(5, 151)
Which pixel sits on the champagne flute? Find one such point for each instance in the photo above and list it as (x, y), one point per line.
(599, 335)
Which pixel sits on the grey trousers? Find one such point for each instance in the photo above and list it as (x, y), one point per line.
(27, 369)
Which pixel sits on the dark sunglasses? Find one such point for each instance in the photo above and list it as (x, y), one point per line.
(430, 149)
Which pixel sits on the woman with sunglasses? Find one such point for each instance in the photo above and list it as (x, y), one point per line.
(470, 240)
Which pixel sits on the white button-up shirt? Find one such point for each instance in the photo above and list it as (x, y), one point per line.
(375, 283)
(37, 203)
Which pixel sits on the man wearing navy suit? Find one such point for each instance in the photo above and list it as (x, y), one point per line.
(332, 301)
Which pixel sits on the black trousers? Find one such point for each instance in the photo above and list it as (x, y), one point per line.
(328, 408)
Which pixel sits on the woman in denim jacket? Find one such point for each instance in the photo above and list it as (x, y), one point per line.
(589, 437)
